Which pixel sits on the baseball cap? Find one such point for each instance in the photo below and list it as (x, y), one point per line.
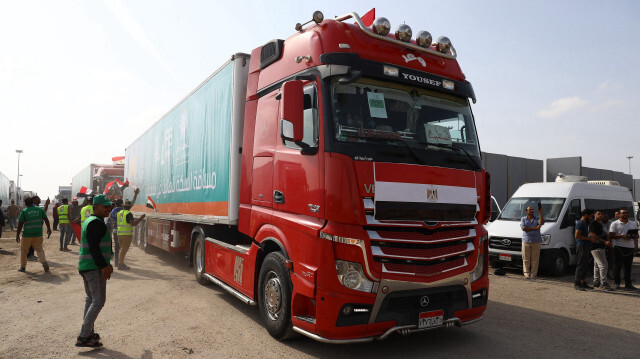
(101, 199)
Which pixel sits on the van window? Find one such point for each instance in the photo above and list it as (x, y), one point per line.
(609, 206)
(574, 209)
(516, 208)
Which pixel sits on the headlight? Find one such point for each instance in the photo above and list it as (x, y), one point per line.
(351, 275)
(546, 238)
(479, 271)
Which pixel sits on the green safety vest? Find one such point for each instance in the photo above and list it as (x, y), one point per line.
(33, 218)
(124, 228)
(63, 214)
(85, 259)
(85, 213)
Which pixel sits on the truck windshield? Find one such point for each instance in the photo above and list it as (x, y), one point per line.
(370, 111)
(516, 208)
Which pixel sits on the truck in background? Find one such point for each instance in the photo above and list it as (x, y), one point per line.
(333, 179)
(5, 187)
(64, 192)
(96, 177)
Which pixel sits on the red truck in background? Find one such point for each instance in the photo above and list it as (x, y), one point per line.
(334, 179)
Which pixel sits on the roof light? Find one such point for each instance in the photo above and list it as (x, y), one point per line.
(381, 26)
(403, 33)
(444, 44)
(423, 38)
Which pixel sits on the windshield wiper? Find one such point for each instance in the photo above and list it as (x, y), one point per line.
(457, 148)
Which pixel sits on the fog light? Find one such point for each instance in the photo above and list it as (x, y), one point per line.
(403, 33)
(347, 310)
(381, 26)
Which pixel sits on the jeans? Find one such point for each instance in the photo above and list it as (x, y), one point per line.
(600, 266)
(65, 235)
(624, 260)
(13, 222)
(582, 267)
(96, 288)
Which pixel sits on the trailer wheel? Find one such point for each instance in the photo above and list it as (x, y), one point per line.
(198, 259)
(274, 296)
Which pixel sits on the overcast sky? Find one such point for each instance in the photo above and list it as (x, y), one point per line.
(81, 80)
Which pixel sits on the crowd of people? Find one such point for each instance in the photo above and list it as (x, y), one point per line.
(100, 219)
(611, 244)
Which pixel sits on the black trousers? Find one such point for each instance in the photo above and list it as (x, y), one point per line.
(623, 261)
(582, 267)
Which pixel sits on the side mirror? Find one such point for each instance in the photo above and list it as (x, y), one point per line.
(292, 111)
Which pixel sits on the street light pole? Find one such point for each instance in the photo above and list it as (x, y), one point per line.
(18, 181)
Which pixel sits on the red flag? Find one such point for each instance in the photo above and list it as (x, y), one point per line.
(85, 192)
(151, 204)
(367, 19)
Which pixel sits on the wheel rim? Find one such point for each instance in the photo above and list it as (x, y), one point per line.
(272, 296)
(560, 262)
(199, 257)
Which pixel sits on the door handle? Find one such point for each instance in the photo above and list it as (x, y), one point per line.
(278, 197)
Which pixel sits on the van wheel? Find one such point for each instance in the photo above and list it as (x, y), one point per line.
(560, 264)
(274, 296)
(198, 259)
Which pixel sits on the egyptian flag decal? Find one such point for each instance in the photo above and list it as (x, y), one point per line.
(85, 192)
(151, 204)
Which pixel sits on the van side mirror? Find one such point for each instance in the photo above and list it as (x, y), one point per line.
(292, 111)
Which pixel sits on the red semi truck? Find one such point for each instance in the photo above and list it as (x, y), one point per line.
(334, 179)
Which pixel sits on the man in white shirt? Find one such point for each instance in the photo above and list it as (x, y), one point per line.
(624, 234)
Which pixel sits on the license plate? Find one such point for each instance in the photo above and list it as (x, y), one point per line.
(505, 257)
(431, 319)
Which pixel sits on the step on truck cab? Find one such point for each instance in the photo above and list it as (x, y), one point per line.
(334, 179)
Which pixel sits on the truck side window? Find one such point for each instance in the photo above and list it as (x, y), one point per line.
(310, 134)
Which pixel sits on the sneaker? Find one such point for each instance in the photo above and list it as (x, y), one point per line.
(630, 287)
(586, 286)
(616, 286)
(123, 267)
(606, 286)
(61, 250)
(45, 265)
(32, 258)
(596, 284)
(578, 287)
(21, 269)
(66, 249)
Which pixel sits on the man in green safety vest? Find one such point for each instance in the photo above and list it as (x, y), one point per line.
(125, 222)
(31, 219)
(95, 268)
(65, 224)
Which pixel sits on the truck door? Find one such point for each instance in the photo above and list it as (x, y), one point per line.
(264, 144)
(298, 174)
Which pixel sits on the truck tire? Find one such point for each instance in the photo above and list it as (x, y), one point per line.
(560, 264)
(274, 296)
(199, 259)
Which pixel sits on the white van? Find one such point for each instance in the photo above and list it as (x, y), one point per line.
(562, 203)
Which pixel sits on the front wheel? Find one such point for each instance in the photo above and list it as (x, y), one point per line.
(274, 296)
(560, 264)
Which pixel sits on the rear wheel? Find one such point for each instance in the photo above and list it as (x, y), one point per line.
(198, 259)
(274, 296)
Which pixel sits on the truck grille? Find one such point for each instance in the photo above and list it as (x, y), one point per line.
(420, 251)
(506, 243)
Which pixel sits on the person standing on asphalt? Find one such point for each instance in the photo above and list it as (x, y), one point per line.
(531, 240)
(56, 218)
(126, 222)
(583, 248)
(94, 266)
(65, 225)
(13, 211)
(598, 251)
(625, 243)
(113, 228)
(31, 218)
(2, 219)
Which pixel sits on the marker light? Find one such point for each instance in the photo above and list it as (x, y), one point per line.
(444, 44)
(318, 16)
(423, 38)
(448, 84)
(381, 26)
(403, 33)
(390, 71)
